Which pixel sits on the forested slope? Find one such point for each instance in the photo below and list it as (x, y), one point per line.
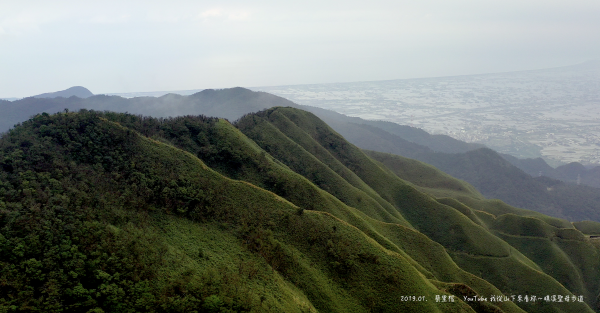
(493, 176)
(277, 212)
(95, 216)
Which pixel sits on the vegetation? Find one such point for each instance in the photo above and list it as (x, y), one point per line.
(493, 175)
(103, 212)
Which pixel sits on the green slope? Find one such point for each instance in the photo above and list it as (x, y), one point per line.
(428, 178)
(275, 213)
(443, 224)
(258, 165)
(107, 213)
(547, 241)
(441, 185)
(491, 174)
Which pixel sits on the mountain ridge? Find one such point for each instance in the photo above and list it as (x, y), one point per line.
(565, 200)
(76, 91)
(573, 172)
(186, 193)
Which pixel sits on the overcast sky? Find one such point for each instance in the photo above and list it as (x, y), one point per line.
(112, 46)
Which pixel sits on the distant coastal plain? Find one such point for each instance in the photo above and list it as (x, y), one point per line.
(551, 113)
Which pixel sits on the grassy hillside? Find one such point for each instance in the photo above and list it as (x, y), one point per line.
(101, 217)
(426, 177)
(493, 176)
(443, 224)
(246, 150)
(547, 241)
(278, 212)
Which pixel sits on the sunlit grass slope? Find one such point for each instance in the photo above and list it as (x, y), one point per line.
(549, 242)
(332, 149)
(259, 169)
(444, 224)
(428, 178)
(233, 154)
(324, 201)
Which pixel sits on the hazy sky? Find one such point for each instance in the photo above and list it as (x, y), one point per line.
(127, 46)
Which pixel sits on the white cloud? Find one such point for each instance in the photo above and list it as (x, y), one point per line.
(165, 17)
(234, 14)
(239, 16)
(110, 19)
(285, 42)
(211, 13)
(23, 23)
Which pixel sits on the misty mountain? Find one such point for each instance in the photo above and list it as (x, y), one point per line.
(219, 103)
(573, 172)
(532, 166)
(226, 103)
(491, 174)
(76, 91)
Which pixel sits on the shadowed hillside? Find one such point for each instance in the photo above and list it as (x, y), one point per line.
(573, 172)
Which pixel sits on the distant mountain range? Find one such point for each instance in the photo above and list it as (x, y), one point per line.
(485, 169)
(573, 172)
(76, 91)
